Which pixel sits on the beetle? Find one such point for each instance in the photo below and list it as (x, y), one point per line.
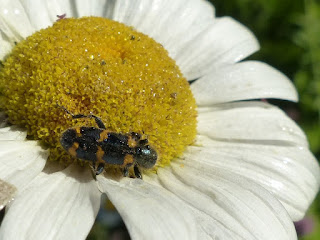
(101, 146)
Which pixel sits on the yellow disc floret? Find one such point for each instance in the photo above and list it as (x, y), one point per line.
(95, 65)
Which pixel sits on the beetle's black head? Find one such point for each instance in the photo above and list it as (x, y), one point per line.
(145, 156)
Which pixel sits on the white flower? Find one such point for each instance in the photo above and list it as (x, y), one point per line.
(249, 175)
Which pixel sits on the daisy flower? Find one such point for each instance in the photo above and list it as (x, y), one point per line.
(226, 168)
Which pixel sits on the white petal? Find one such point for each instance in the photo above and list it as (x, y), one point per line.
(12, 133)
(62, 205)
(14, 22)
(5, 48)
(291, 173)
(37, 12)
(242, 81)
(224, 200)
(149, 211)
(7, 192)
(254, 122)
(190, 19)
(21, 161)
(224, 41)
(43, 14)
(93, 7)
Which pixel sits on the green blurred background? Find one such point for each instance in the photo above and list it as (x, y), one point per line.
(289, 34)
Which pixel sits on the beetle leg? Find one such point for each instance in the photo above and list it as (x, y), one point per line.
(97, 119)
(126, 171)
(137, 172)
(100, 168)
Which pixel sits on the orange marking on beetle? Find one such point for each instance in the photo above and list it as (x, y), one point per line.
(99, 155)
(73, 150)
(132, 142)
(103, 135)
(78, 131)
(128, 159)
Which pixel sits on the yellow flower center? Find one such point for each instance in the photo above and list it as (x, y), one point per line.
(95, 65)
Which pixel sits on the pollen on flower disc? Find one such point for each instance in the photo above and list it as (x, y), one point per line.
(99, 66)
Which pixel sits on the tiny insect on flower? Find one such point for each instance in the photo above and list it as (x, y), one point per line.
(63, 16)
(101, 146)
